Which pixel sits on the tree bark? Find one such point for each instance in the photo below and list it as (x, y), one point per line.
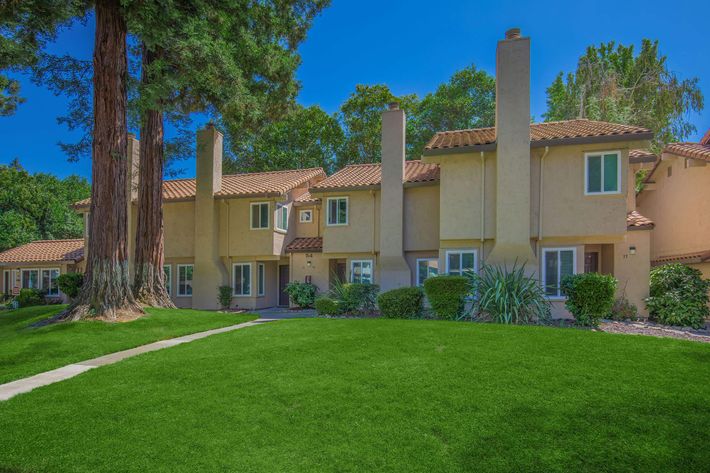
(106, 292)
(149, 280)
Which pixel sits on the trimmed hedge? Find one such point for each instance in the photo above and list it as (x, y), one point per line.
(303, 294)
(358, 298)
(590, 297)
(402, 303)
(447, 295)
(678, 296)
(224, 296)
(30, 297)
(70, 284)
(327, 306)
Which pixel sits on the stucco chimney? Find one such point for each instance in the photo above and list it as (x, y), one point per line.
(512, 240)
(394, 271)
(209, 272)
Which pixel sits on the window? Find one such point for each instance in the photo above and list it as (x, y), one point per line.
(557, 263)
(185, 279)
(49, 281)
(260, 279)
(361, 271)
(168, 278)
(259, 215)
(603, 173)
(241, 275)
(282, 217)
(426, 268)
(337, 211)
(30, 278)
(7, 284)
(306, 216)
(460, 261)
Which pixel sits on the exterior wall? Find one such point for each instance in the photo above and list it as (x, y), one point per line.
(361, 234)
(633, 270)
(679, 206)
(318, 269)
(421, 218)
(312, 229)
(179, 228)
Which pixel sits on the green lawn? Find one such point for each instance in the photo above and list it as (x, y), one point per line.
(376, 395)
(25, 351)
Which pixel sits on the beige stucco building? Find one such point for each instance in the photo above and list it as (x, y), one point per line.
(556, 196)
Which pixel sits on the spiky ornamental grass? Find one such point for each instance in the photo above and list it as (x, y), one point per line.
(508, 296)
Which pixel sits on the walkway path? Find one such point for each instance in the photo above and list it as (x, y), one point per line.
(25, 385)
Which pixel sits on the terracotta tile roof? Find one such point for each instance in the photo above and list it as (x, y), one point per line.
(238, 185)
(303, 245)
(45, 251)
(636, 221)
(305, 199)
(689, 150)
(637, 156)
(370, 175)
(540, 134)
(686, 258)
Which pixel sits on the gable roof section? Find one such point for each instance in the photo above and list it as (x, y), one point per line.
(685, 258)
(639, 156)
(238, 185)
(541, 134)
(305, 245)
(636, 221)
(689, 150)
(46, 251)
(365, 176)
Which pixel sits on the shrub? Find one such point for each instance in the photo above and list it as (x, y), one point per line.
(678, 296)
(30, 297)
(302, 294)
(623, 310)
(590, 296)
(447, 295)
(509, 296)
(402, 303)
(327, 306)
(70, 284)
(355, 297)
(224, 296)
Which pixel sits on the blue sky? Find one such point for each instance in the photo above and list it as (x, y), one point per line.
(412, 46)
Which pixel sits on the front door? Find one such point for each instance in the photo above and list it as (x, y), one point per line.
(6, 286)
(283, 282)
(591, 262)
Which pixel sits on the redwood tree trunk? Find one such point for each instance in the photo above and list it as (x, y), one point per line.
(106, 292)
(149, 281)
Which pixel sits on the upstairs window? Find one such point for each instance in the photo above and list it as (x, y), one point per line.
(282, 217)
(557, 263)
(603, 173)
(306, 216)
(337, 211)
(259, 215)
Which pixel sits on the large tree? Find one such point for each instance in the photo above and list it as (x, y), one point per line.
(613, 83)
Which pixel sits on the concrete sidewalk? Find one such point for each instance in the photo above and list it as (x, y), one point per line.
(25, 385)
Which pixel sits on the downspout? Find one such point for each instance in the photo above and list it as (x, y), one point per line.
(483, 202)
(539, 209)
(374, 221)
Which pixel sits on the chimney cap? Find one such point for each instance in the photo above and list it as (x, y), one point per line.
(393, 106)
(513, 33)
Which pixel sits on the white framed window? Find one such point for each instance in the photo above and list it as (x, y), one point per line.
(426, 268)
(259, 219)
(361, 271)
(185, 279)
(30, 279)
(260, 279)
(305, 216)
(49, 281)
(281, 217)
(168, 278)
(556, 264)
(241, 279)
(602, 172)
(337, 211)
(458, 262)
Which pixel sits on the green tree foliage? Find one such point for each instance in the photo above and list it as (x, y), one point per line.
(614, 84)
(38, 207)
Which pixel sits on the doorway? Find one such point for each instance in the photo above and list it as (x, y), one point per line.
(283, 282)
(591, 262)
(6, 286)
(337, 269)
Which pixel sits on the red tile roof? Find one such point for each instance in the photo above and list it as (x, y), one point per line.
(239, 185)
(45, 251)
(540, 134)
(686, 258)
(689, 150)
(637, 156)
(305, 199)
(636, 221)
(370, 175)
(305, 245)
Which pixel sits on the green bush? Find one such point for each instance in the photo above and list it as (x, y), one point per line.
(623, 310)
(224, 296)
(590, 296)
(327, 306)
(302, 294)
(30, 297)
(447, 295)
(402, 303)
(355, 297)
(70, 284)
(509, 296)
(678, 296)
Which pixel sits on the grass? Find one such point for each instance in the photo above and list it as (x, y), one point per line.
(26, 351)
(376, 395)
